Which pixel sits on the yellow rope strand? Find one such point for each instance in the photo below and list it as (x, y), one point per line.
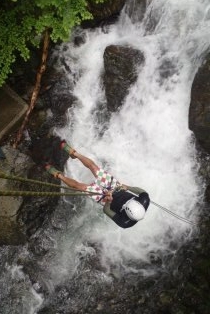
(53, 194)
(24, 180)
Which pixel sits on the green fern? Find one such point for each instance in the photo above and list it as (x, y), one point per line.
(22, 23)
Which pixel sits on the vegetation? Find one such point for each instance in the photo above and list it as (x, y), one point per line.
(22, 23)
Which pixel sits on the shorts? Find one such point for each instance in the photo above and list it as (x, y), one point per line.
(104, 181)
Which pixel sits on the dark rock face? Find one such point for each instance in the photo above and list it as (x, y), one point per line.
(36, 210)
(53, 99)
(12, 232)
(120, 64)
(199, 114)
(208, 194)
(108, 10)
(41, 145)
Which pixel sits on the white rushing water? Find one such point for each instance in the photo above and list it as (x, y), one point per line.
(24, 298)
(147, 143)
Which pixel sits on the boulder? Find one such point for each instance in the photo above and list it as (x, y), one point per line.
(120, 63)
(199, 113)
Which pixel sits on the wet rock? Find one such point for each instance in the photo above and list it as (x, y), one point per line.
(40, 145)
(36, 210)
(58, 103)
(16, 163)
(155, 258)
(199, 113)
(165, 298)
(109, 10)
(120, 64)
(207, 194)
(48, 149)
(142, 299)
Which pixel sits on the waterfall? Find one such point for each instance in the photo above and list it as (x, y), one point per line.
(148, 142)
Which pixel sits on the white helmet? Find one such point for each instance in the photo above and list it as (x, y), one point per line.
(134, 210)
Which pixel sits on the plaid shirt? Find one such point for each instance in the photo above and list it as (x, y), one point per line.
(104, 182)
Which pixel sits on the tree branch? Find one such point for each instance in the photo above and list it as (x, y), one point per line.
(37, 86)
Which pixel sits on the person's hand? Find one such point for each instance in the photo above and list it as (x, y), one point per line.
(108, 197)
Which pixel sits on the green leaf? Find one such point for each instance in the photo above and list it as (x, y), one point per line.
(22, 23)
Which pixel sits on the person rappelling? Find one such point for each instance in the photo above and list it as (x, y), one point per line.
(124, 204)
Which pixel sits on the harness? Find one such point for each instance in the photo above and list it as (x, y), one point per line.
(104, 191)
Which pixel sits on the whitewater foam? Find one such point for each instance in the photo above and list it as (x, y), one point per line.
(147, 143)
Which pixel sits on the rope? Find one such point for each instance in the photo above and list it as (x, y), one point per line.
(31, 193)
(173, 214)
(77, 193)
(16, 178)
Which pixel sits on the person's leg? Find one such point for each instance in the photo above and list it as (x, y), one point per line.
(68, 181)
(87, 162)
(72, 183)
